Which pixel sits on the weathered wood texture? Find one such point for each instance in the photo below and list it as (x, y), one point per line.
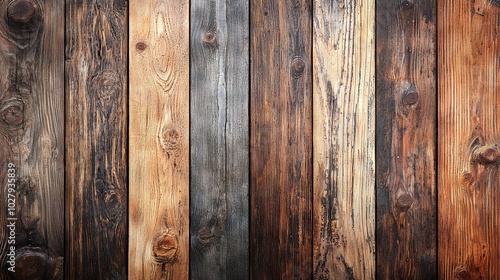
(32, 136)
(96, 139)
(281, 140)
(406, 136)
(159, 139)
(469, 136)
(219, 139)
(344, 139)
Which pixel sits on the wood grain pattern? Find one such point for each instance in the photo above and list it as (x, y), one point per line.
(281, 140)
(159, 139)
(31, 136)
(344, 139)
(96, 139)
(406, 135)
(469, 135)
(219, 139)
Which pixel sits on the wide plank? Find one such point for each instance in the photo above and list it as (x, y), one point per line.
(406, 139)
(159, 139)
(96, 139)
(32, 139)
(219, 139)
(281, 139)
(344, 139)
(469, 139)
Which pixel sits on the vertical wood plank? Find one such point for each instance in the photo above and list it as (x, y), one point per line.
(281, 140)
(219, 139)
(406, 135)
(32, 138)
(159, 139)
(469, 136)
(96, 138)
(344, 139)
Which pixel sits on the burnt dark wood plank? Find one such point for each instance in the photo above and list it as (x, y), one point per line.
(406, 136)
(344, 139)
(96, 139)
(469, 137)
(32, 138)
(281, 140)
(219, 139)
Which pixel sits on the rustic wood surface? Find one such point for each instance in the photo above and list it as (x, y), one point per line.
(32, 136)
(469, 136)
(281, 140)
(406, 134)
(96, 139)
(344, 139)
(219, 139)
(159, 139)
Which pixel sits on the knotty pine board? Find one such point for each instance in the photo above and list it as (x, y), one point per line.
(32, 136)
(96, 139)
(344, 139)
(219, 139)
(281, 139)
(469, 84)
(159, 139)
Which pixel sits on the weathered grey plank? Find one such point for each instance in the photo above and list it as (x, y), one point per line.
(219, 139)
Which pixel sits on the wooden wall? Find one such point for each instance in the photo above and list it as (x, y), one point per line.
(249, 139)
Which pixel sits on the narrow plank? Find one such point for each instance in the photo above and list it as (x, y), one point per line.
(219, 139)
(406, 136)
(281, 140)
(469, 83)
(96, 139)
(31, 138)
(344, 139)
(159, 139)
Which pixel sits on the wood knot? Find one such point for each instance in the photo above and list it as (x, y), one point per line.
(410, 97)
(298, 67)
(13, 114)
(169, 140)
(209, 38)
(106, 85)
(31, 264)
(165, 247)
(486, 155)
(466, 179)
(21, 14)
(140, 47)
(462, 273)
(407, 4)
(112, 200)
(404, 201)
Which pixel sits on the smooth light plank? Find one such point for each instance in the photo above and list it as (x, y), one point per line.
(219, 139)
(344, 139)
(159, 139)
(406, 136)
(96, 139)
(281, 140)
(32, 138)
(469, 135)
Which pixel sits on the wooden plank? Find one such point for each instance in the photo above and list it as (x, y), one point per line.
(31, 139)
(344, 139)
(159, 139)
(406, 135)
(219, 139)
(96, 139)
(281, 140)
(469, 83)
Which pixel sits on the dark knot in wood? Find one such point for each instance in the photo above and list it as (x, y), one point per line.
(298, 67)
(404, 201)
(169, 140)
(486, 155)
(21, 13)
(407, 4)
(410, 97)
(462, 273)
(209, 37)
(31, 264)
(13, 114)
(165, 247)
(141, 46)
(466, 179)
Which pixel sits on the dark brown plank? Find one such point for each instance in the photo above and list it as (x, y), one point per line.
(219, 139)
(281, 140)
(96, 139)
(31, 138)
(469, 139)
(406, 135)
(344, 139)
